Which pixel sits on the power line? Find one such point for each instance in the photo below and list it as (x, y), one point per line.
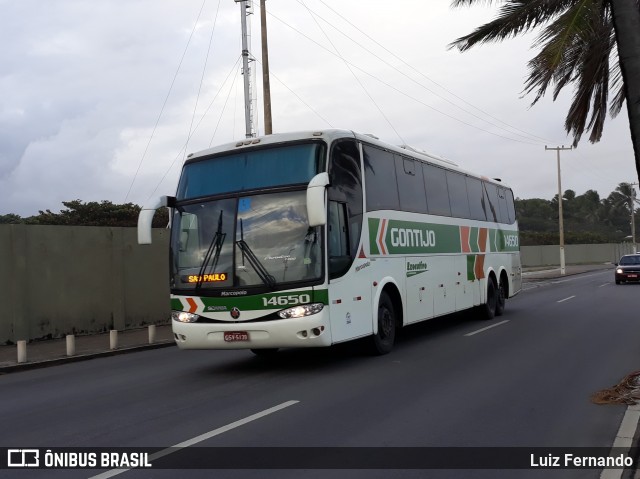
(526, 135)
(184, 147)
(204, 70)
(297, 96)
(400, 91)
(352, 73)
(224, 107)
(165, 101)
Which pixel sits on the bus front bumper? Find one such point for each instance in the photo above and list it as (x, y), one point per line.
(309, 331)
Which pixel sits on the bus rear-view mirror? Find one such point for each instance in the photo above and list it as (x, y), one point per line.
(316, 200)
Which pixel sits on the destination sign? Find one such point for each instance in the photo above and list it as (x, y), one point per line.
(205, 278)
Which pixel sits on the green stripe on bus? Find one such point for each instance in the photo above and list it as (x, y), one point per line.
(473, 239)
(412, 237)
(374, 224)
(259, 301)
(508, 240)
(471, 267)
(493, 240)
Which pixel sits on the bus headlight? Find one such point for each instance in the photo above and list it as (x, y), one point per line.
(301, 311)
(184, 317)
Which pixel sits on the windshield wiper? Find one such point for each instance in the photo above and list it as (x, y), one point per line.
(214, 249)
(260, 270)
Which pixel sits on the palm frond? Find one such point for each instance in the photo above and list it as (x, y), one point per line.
(514, 17)
(562, 48)
(592, 81)
(617, 85)
(468, 3)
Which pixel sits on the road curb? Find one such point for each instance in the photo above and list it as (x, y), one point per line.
(81, 357)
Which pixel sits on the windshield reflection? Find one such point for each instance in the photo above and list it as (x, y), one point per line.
(275, 228)
(273, 243)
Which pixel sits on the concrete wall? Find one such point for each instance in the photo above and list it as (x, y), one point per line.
(532, 256)
(57, 280)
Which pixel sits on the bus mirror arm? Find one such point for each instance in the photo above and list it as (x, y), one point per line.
(145, 218)
(316, 204)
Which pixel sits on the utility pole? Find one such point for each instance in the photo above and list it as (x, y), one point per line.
(560, 215)
(266, 85)
(632, 201)
(248, 120)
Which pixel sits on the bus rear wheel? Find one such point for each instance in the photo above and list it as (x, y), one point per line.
(382, 341)
(488, 309)
(501, 298)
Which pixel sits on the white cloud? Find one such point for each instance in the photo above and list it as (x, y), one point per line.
(83, 84)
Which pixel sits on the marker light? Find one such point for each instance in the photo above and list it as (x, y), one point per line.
(184, 317)
(301, 311)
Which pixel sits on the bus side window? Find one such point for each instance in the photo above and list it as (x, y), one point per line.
(477, 200)
(346, 186)
(410, 185)
(458, 195)
(435, 184)
(502, 201)
(380, 179)
(339, 257)
(494, 212)
(511, 208)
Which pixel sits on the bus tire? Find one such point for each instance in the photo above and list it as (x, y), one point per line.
(501, 298)
(265, 352)
(382, 341)
(488, 309)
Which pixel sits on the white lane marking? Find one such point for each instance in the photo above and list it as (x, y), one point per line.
(566, 299)
(201, 437)
(624, 439)
(605, 284)
(488, 327)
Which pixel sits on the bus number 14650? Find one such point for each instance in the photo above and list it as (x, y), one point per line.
(287, 300)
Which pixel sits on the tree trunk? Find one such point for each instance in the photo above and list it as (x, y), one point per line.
(626, 22)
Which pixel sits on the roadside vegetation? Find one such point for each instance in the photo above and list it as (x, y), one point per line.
(93, 213)
(587, 217)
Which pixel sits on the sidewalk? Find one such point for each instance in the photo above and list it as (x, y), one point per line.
(553, 272)
(54, 351)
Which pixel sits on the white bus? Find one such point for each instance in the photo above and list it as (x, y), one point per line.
(316, 238)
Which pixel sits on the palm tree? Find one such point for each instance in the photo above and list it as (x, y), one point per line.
(593, 44)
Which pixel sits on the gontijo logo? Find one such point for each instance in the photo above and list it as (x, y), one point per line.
(413, 237)
(388, 237)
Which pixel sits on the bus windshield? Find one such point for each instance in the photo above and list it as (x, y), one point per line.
(251, 169)
(258, 240)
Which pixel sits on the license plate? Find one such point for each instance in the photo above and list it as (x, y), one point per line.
(632, 276)
(234, 336)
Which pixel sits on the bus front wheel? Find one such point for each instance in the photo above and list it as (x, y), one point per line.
(382, 341)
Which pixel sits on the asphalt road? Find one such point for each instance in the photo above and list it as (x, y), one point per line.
(525, 382)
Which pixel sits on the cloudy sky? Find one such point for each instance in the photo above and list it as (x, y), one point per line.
(101, 99)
